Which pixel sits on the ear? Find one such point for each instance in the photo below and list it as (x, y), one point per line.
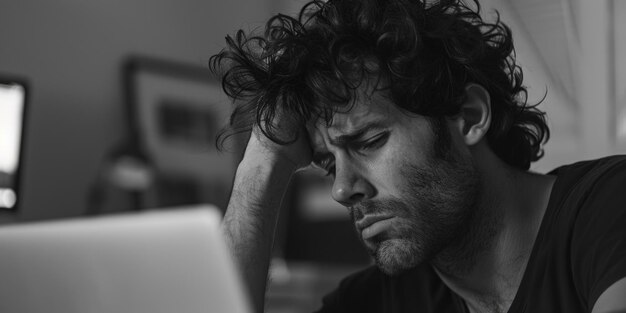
(475, 116)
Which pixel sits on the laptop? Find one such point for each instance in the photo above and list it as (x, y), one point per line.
(170, 261)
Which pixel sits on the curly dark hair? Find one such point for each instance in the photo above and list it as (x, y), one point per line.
(422, 54)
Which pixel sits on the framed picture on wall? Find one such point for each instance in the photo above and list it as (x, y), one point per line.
(175, 113)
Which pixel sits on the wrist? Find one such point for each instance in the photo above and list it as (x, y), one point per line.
(262, 150)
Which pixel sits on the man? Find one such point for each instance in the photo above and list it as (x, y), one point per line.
(419, 113)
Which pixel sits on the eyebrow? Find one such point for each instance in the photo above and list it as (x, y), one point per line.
(346, 139)
(343, 140)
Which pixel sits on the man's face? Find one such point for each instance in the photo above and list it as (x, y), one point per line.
(409, 188)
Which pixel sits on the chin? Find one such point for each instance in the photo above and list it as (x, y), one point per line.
(395, 256)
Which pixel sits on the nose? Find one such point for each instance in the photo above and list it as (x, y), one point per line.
(350, 185)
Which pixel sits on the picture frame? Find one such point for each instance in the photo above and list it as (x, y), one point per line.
(175, 112)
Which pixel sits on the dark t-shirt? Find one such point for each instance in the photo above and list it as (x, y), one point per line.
(580, 251)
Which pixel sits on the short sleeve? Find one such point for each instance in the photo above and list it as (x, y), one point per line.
(598, 245)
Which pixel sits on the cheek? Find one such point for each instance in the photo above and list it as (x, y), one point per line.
(389, 172)
(386, 171)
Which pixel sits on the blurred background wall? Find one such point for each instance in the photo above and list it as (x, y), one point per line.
(71, 52)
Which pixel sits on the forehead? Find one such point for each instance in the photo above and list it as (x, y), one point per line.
(369, 109)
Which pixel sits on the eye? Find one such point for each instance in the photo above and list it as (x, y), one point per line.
(374, 142)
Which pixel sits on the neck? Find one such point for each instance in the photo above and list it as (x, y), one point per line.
(486, 266)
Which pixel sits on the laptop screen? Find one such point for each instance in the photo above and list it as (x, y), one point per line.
(165, 261)
(12, 106)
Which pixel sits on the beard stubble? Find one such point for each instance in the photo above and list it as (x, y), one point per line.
(435, 210)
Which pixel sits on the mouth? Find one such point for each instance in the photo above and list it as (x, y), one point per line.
(371, 226)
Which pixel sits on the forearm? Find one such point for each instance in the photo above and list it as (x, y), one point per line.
(252, 214)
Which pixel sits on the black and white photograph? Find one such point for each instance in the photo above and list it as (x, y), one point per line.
(313, 156)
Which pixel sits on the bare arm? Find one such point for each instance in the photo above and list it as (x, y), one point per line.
(252, 214)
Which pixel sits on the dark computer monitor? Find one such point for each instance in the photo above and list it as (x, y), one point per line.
(12, 119)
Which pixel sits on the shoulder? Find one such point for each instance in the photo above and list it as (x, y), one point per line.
(593, 189)
(596, 201)
(588, 185)
(593, 169)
